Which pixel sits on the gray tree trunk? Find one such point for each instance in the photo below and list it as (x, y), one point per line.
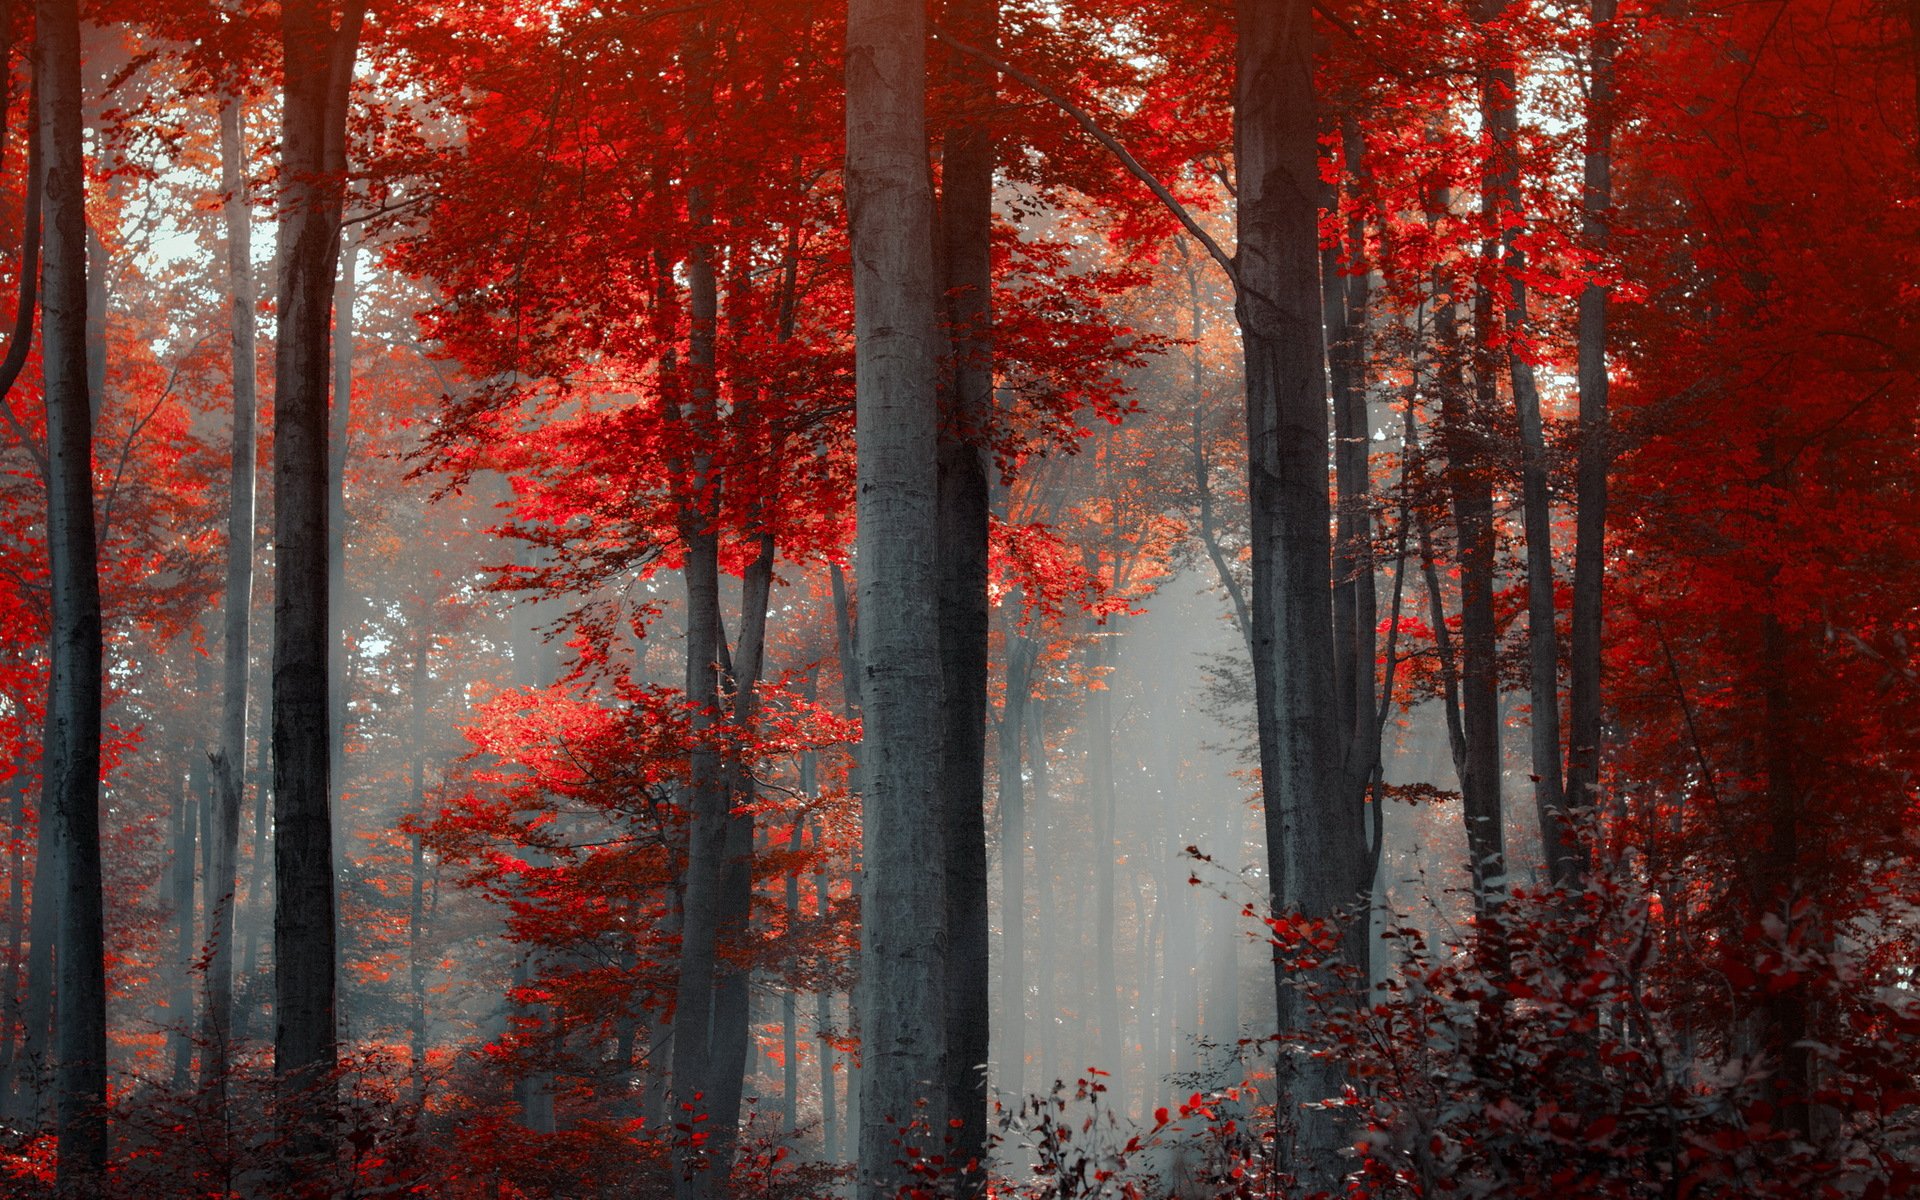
(1590, 521)
(966, 223)
(693, 1075)
(339, 432)
(318, 70)
(72, 763)
(903, 940)
(1315, 836)
(1500, 197)
(1012, 1050)
(185, 839)
(230, 753)
(16, 930)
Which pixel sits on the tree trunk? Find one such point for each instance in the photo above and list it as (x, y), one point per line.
(1045, 1001)
(1101, 797)
(1012, 1050)
(318, 69)
(416, 906)
(1501, 200)
(966, 225)
(890, 211)
(1315, 838)
(72, 763)
(339, 430)
(731, 1038)
(1464, 433)
(16, 930)
(230, 755)
(1590, 522)
(694, 1076)
(185, 839)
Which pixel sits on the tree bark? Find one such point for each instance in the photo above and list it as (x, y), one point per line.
(903, 916)
(966, 224)
(1501, 200)
(340, 661)
(1012, 1049)
(72, 770)
(318, 59)
(1590, 521)
(186, 808)
(1315, 837)
(230, 755)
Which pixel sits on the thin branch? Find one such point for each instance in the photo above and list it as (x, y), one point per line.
(1094, 130)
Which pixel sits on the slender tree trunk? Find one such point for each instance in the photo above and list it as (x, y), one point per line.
(16, 930)
(1012, 1051)
(1501, 200)
(260, 885)
(185, 839)
(730, 1038)
(694, 1077)
(1590, 522)
(230, 755)
(890, 210)
(1464, 432)
(72, 770)
(1045, 1000)
(416, 906)
(822, 1022)
(340, 662)
(1101, 797)
(1315, 837)
(966, 223)
(318, 70)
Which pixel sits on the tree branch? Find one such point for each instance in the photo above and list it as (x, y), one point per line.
(1127, 160)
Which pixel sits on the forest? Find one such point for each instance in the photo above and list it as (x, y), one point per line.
(1034, 599)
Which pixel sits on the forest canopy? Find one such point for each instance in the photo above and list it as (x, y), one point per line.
(959, 598)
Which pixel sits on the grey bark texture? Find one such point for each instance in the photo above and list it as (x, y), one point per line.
(318, 59)
(1315, 838)
(230, 752)
(903, 940)
(71, 772)
(966, 224)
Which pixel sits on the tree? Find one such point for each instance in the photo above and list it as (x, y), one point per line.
(1315, 840)
(890, 221)
(229, 756)
(71, 770)
(318, 50)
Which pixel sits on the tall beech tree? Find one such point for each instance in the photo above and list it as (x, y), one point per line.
(890, 220)
(230, 754)
(71, 756)
(318, 45)
(1315, 838)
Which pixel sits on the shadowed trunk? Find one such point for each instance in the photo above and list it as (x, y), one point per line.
(1315, 838)
(890, 216)
(71, 778)
(966, 221)
(186, 808)
(318, 69)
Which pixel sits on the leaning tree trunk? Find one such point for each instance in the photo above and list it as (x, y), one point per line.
(72, 763)
(318, 69)
(966, 223)
(890, 210)
(1590, 487)
(1012, 1052)
(1315, 837)
(230, 756)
